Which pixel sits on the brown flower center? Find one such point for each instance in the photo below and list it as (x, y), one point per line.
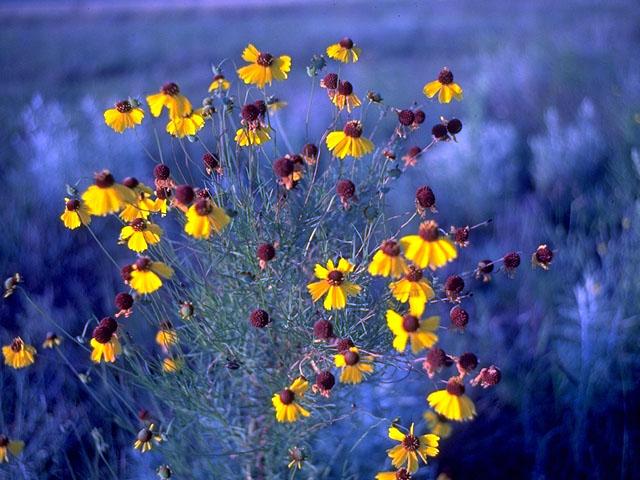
(351, 358)
(414, 275)
(403, 474)
(264, 59)
(411, 443)
(203, 207)
(145, 435)
(249, 113)
(16, 345)
(170, 89)
(390, 248)
(335, 278)
(4, 441)
(330, 81)
(353, 129)
(104, 179)
(445, 76)
(73, 205)
(123, 106)
(219, 76)
(345, 88)
(410, 323)
(287, 396)
(143, 264)
(429, 231)
(139, 225)
(346, 42)
(455, 387)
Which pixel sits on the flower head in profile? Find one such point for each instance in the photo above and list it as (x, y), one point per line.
(349, 141)
(186, 125)
(428, 248)
(254, 131)
(345, 98)
(106, 196)
(400, 474)
(139, 234)
(334, 284)
(263, 67)
(145, 275)
(75, 213)
(452, 402)
(413, 288)
(387, 261)
(444, 86)
(411, 447)
(167, 336)
(219, 83)
(146, 437)
(286, 403)
(297, 456)
(143, 206)
(169, 96)
(344, 51)
(421, 332)
(353, 365)
(104, 341)
(438, 424)
(123, 115)
(172, 363)
(204, 217)
(18, 354)
(13, 447)
(51, 340)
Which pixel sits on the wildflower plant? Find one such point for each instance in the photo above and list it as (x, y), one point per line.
(273, 279)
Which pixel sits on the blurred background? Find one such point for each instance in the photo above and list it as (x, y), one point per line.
(549, 152)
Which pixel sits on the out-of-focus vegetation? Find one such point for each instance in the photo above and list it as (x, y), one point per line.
(550, 151)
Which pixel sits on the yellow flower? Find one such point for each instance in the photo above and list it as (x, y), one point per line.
(297, 457)
(286, 404)
(414, 289)
(333, 283)
(186, 125)
(353, 365)
(410, 326)
(105, 342)
(145, 436)
(344, 97)
(344, 51)
(219, 83)
(14, 447)
(411, 447)
(140, 234)
(428, 249)
(75, 214)
(18, 354)
(172, 364)
(451, 402)
(167, 336)
(145, 276)
(107, 196)
(170, 97)
(52, 340)
(401, 473)
(387, 261)
(203, 217)
(445, 85)
(438, 424)
(254, 130)
(143, 206)
(263, 67)
(349, 141)
(123, 116)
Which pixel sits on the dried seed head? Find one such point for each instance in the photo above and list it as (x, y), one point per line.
(210, 161)
(73, 204)
(459, 317)
(454, 126)
(454, 285)
(437, 358)
(123, 106)
(325, 381)
(261, 106)
(445, 76)
(414, 274)
(439, 131)
(390, 248)
(323, 329)
(491, 376)
(202, 193)
(287, 396)
(163, 193)
(418, 117)
(335, 278)
(414, 151)
(130, 182)
(455, 386)
(353, 129)
(410, 323)
(543, 256)
(330, 81)
(170, 89)
(265, 252)
(123, 301)
(485, 266)
(102, 334)
(428, 231)
(104, 179)
(125, 273)
(264, 59)
(344, 344)
(346, 42)
(351, 358)
(250, 113)
(259, 318)
(511, 260)
(184, 194)
(283, 167)
(161, 171)
(345, 88)
(109, 323)
(203, 207)
(139, 224)
(346, 188)
(406, 117)
(461, 236)
(468, 362)
(310, 151)
(425, 197)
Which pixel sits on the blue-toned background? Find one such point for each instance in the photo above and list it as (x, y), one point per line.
(548, 151)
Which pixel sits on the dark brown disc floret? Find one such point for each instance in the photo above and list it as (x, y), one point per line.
(130, 182)
(323, 329)
(143, 264)
(346, 42)
(161, 171)
(428, 231)
(287, 396)
(265, 252)
(411, 443)
(344, 344)
(250, 113)
(73, 204)
(425, 197)
(454, 126)
(351, 358)
(139, 224)
(511, 260)
(210, 161)
(346, 188)
(410, 323)
(123, 301)
(406, 117)
(459, 317)
(109, 323)
(203, 207)
(345, 88)
(439, 131)
(123, 106)
(104, 179)
(353, 129)
(283, 167)
(102, 334)
(330, 81)
(259, 318)
(455, 386)
(264, 59)
(414, 274)
(390, 248)
(170, 89)
(335, 278)
(468, 362)
(454, 285)
(445, 76)
(418, 117)
(184, 194)
(325, 380)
